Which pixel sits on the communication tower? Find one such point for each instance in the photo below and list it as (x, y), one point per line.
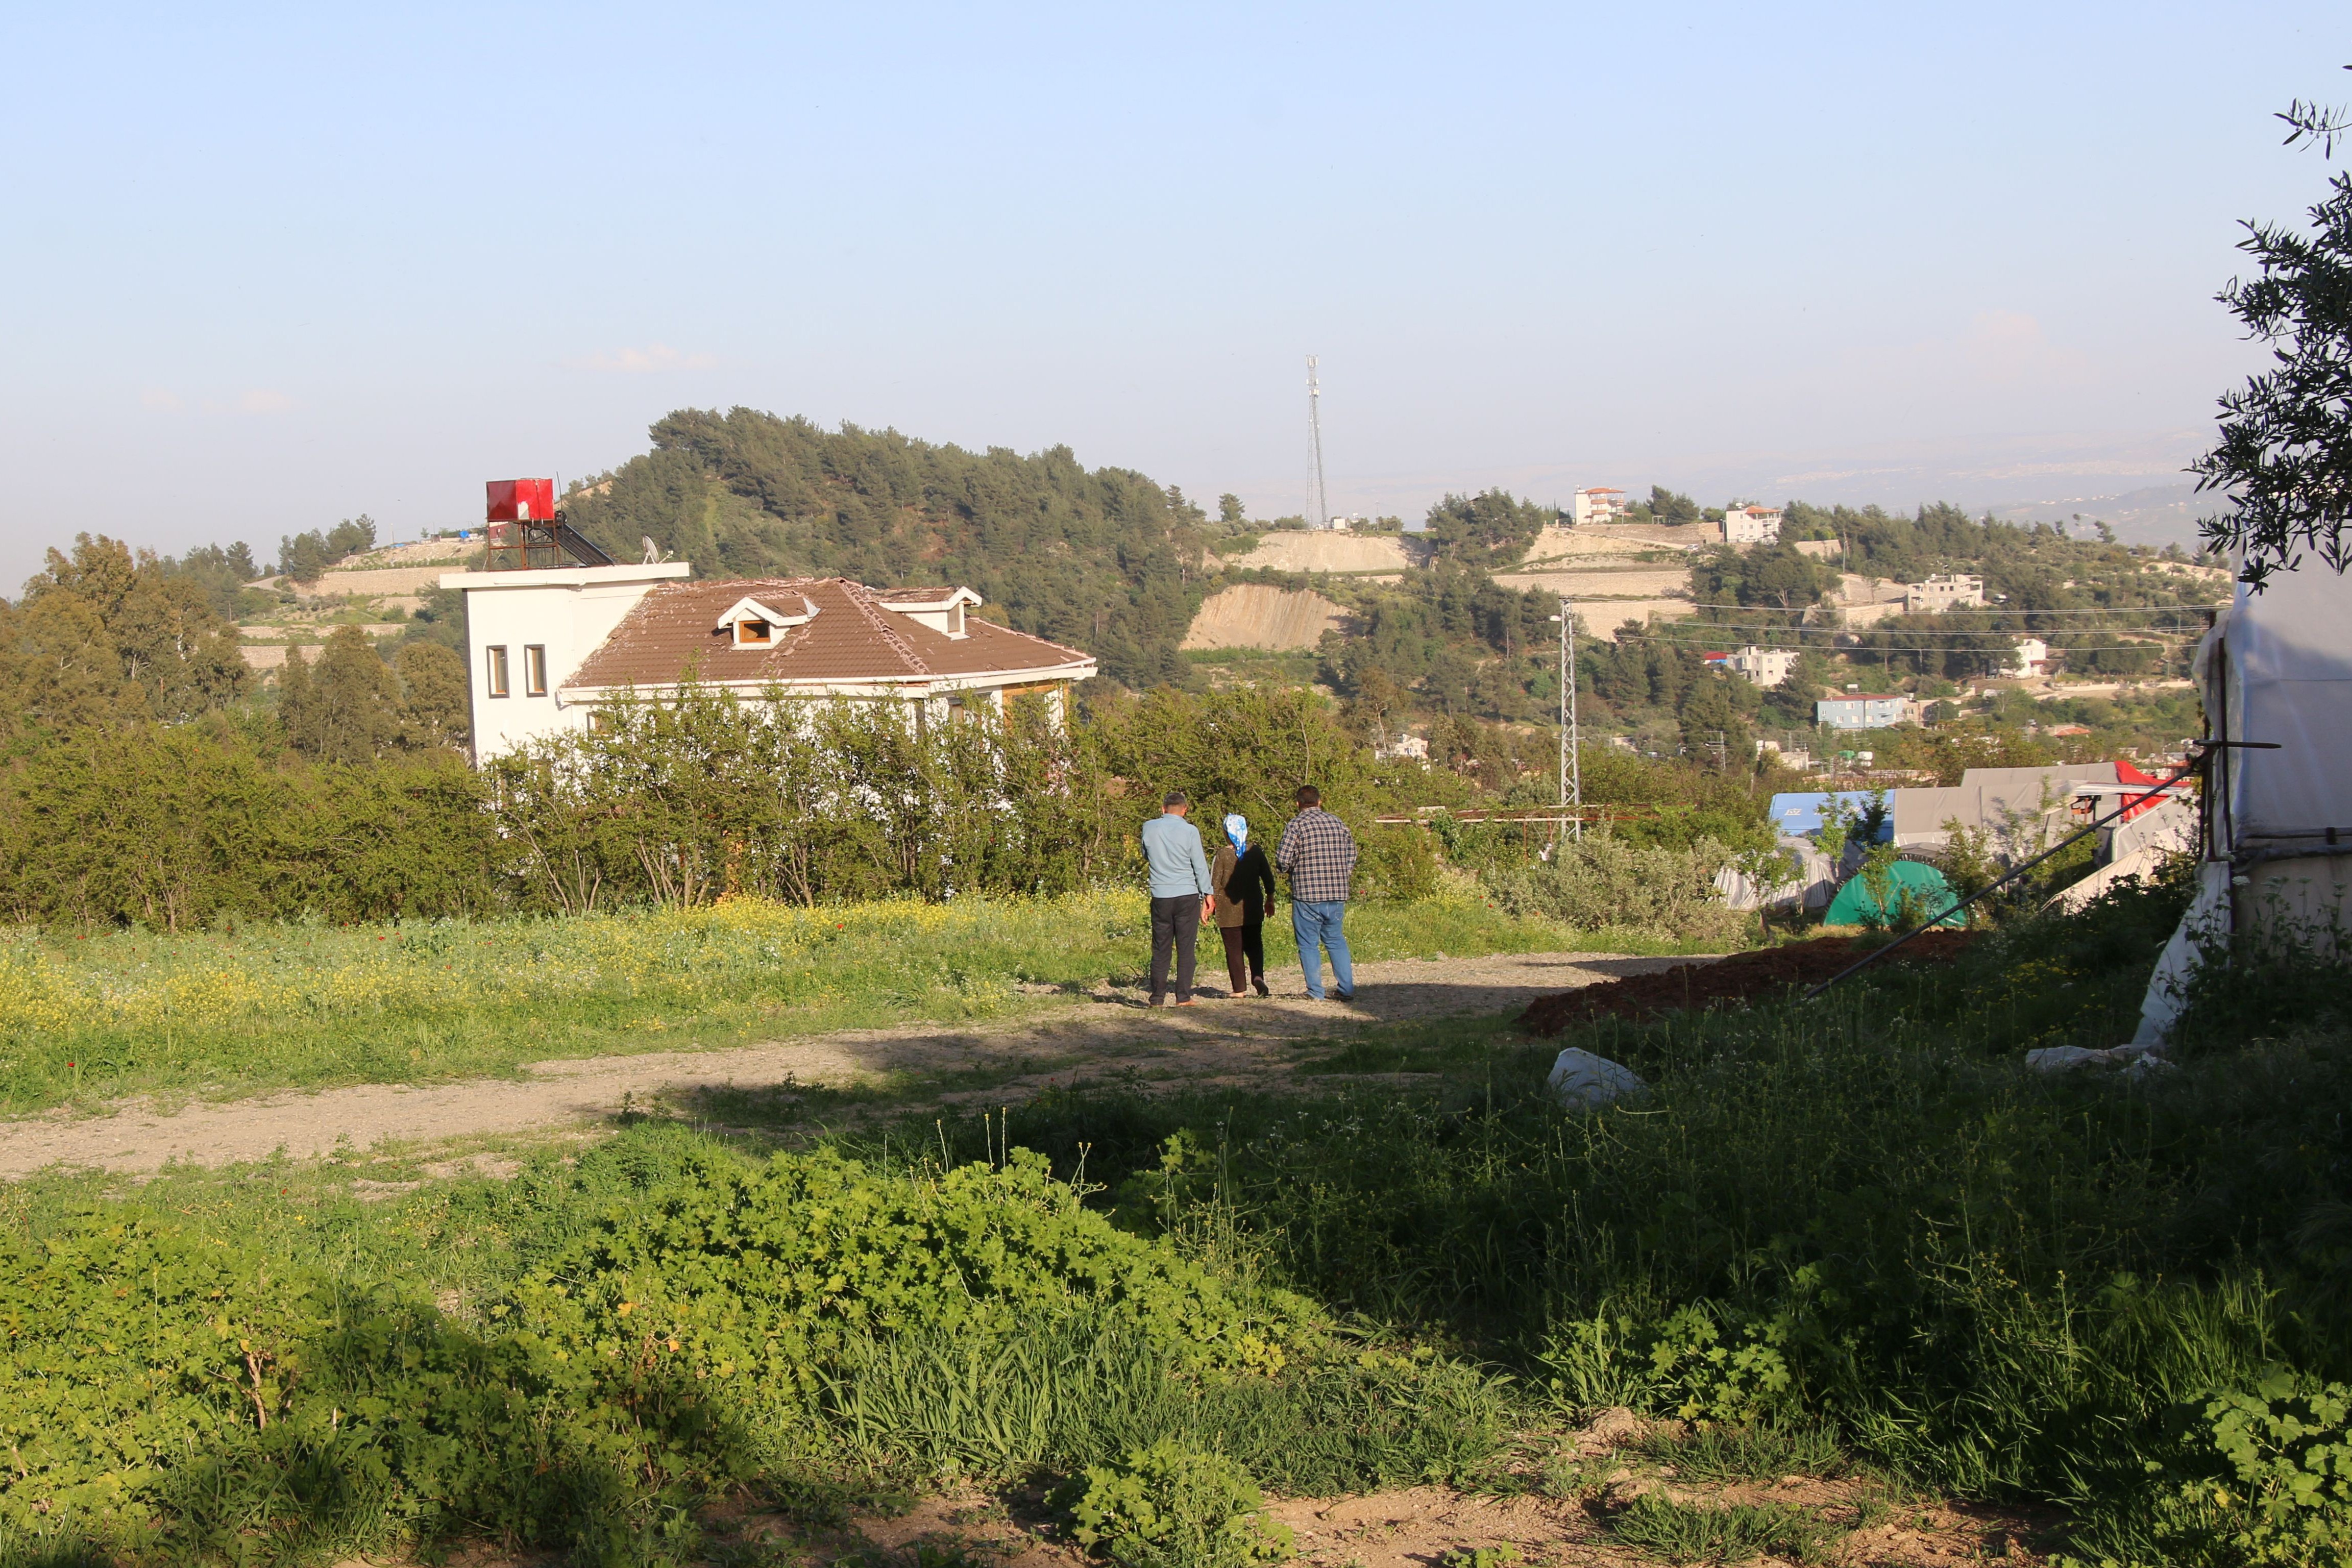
(1318, 500)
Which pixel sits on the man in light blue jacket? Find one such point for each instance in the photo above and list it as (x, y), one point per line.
(1180, 895)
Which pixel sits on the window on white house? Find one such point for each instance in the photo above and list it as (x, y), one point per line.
(753, 634)
(534, 670)
(497, 662)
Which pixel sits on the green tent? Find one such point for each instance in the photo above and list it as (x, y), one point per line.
(1854, 905)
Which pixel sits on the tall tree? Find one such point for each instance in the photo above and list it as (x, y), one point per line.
(102, 636)
(432, 696)
(346, 708)
(1493, 527)
(2285, 454)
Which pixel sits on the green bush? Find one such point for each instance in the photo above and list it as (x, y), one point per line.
(1605, 882)
(2262, 1475)
(670, 1321)
(1168, 1506)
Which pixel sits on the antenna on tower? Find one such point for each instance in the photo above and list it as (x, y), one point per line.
(1318, 500)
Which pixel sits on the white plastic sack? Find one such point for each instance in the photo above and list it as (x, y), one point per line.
(2060, 1059)
(1584, 1082)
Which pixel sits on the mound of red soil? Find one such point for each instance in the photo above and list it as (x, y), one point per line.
(1740, 978)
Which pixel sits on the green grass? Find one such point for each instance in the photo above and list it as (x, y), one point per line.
(235, 1012)
(1853, 1232)
(1707, 1532)
(1758, 1451)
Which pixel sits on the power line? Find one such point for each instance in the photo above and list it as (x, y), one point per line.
(1987, 609)
(2010, 633)
(1717, 643)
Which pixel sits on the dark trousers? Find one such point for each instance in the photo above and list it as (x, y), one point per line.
(1175, 926)
(1244, 952)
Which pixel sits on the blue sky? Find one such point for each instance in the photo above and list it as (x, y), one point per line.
(269, 266)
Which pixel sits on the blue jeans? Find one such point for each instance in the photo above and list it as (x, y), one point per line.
(1317, 925)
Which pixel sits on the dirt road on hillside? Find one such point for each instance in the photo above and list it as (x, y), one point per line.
(1220, 1040)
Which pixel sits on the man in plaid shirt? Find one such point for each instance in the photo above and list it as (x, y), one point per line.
(1319, 853)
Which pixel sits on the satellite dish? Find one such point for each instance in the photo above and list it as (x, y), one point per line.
(653, 551)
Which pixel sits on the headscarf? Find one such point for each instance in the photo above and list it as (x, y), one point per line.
(1237, 829)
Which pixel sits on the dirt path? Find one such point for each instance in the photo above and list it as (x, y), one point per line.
(1220, 1040)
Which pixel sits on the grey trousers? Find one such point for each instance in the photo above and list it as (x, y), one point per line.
(1175, 927)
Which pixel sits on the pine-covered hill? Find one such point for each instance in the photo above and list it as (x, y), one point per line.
(1102, 559)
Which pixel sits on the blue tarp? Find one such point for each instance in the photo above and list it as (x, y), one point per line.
(1800, 814)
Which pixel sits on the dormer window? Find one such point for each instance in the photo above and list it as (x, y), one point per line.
(940, 609)
(751, 622)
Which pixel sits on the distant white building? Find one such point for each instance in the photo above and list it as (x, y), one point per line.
(1944, 591)
(1599, 504)
(1406, 747)
(2033, 658)
(1763, 666)
(1752, 525)
(1866, 711)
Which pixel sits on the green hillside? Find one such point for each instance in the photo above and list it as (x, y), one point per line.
(1103, 559)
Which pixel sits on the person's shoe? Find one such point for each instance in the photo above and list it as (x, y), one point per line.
(1188, 1001)
(1159, 1001)
(1261, 988)
(1241, 993)
(1344, 995)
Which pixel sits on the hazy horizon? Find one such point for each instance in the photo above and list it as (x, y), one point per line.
(278, 267)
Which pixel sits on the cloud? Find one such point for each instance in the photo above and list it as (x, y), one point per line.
(163, 401)
(637, 362)
(263, 401)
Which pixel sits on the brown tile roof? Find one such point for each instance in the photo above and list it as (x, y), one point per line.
(852, 641)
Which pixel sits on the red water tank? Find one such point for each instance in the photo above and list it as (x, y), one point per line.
(522, 500)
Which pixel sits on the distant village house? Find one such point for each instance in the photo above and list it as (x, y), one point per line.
(1751, 525)
(1944, 591)
(1599, 504)
(1866, 711)
(1766, 667)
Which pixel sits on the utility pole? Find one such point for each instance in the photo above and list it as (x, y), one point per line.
(1571, 758)
(1318, 500)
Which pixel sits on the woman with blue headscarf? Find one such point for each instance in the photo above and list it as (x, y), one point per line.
(1243, 880)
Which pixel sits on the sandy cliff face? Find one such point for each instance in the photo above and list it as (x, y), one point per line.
(1254, 616)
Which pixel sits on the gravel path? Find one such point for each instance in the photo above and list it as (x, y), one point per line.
(1220, 1040)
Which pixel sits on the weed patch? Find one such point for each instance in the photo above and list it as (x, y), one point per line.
(1702, 1533)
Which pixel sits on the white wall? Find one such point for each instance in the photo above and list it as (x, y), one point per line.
(569, 610)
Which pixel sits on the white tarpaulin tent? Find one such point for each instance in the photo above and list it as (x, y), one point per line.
(2276, 666)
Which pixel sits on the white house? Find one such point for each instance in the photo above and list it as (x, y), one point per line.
(1598, 504)
(2033, 658)
(1763, 666)
(547, 645)
(1944, 591)
(1751, 525)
